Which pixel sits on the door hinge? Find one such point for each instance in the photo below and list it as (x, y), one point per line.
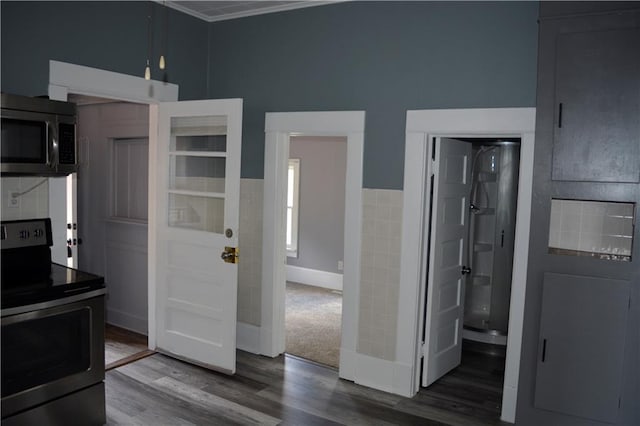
(423, 347)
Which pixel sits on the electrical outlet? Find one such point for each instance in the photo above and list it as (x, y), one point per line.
(14, 201)
(340, 265)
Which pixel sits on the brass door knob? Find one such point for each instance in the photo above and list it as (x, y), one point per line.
(230, 255)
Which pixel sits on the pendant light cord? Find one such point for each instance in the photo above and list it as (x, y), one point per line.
(165, 40)
(147, 70)
(150, 32)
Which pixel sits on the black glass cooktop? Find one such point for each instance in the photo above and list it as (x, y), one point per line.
(62, 282)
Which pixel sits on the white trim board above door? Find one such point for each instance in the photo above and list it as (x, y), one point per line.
(422, 126)
(67, 78)
(278, 128)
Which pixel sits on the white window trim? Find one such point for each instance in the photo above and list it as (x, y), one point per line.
(294, 163)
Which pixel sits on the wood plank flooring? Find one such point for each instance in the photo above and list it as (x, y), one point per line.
(159, 390)
(123, 346)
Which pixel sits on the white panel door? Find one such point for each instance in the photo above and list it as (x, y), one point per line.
(195, 227)
(447, 257)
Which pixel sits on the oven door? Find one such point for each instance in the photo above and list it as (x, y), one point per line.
(52, 351)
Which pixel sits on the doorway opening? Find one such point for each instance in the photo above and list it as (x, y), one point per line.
(112, 203)
(315, 247)
(473, 194)
(69, 80)
(492, 222)
(423, 127)
(279, 128)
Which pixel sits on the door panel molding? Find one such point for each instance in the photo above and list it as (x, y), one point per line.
(448, 255)
(194, 290)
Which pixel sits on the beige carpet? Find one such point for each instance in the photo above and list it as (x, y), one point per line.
(313, 323)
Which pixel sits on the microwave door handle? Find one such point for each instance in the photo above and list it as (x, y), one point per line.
(52, 148)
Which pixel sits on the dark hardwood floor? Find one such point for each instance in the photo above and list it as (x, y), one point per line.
(123, 346)
(159, 390)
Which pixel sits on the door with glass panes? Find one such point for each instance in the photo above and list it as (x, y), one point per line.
(194, 201)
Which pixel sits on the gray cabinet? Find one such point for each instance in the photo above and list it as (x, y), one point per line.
(583, 313)
(582, 340)
(597, 110)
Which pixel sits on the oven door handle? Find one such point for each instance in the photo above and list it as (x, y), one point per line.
(53, 303)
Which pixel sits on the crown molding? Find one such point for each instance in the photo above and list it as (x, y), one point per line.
(262, 11)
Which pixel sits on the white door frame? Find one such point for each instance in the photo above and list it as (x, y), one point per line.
(65, 78)
(421, 127)
(278, 129)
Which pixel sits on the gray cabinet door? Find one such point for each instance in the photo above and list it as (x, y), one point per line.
(597, 117)
(582, 337)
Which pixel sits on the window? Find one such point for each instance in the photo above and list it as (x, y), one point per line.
(293, 185)
(130, 179)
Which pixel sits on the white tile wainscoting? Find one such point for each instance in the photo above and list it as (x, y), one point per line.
(380, 272)
(250, 246)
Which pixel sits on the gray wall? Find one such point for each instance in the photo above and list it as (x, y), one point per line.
(323, 167)
(107, 35)
(381, 57)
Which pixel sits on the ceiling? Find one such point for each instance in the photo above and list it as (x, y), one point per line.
(211, 11)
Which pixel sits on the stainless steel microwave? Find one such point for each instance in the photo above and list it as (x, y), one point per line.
(38, 137)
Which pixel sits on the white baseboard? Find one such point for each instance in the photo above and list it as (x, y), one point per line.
(314, 277)
(248, 337)
(388, 376)
(128, 321)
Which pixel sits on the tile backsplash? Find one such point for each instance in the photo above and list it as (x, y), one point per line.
(31, 204)
(597, 227)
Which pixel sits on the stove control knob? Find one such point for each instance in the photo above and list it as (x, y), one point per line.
(38, 233)
(24, 234)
